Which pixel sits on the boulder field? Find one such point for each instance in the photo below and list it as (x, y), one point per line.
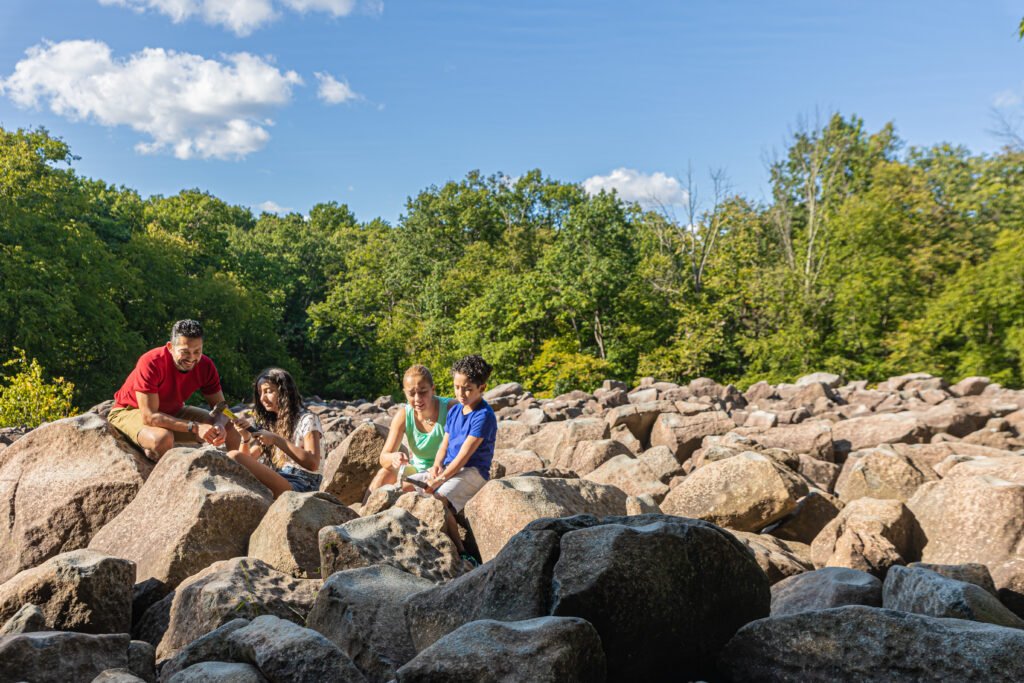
(820, 530)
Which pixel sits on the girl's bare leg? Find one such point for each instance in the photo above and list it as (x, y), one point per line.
(267, 476)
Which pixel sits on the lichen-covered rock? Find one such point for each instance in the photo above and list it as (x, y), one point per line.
(241, 587)
(824, 589)
(395, 537)
(504, 507)
(872, 644)
(59, 485)
(197, 507)
(513, 462)
(746, 492)
(552, 649)
(81, 590)
(286, 538)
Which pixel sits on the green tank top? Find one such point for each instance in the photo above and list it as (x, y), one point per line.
(424, 445)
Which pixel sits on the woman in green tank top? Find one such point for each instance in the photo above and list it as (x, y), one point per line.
(420, 421)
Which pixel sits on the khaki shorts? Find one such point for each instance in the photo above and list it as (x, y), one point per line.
(129, 422)
(460, 488)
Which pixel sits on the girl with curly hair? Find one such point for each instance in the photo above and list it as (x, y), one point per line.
(284, 452)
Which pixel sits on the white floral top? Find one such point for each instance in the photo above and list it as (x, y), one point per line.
(308, 423)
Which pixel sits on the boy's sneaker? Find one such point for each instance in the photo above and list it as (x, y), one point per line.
(470, 560)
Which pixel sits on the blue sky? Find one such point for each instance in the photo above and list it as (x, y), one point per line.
(151, 93)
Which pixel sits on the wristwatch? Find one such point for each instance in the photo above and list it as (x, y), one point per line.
(191, 426)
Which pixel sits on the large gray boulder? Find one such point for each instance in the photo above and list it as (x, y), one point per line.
(824, 589)
(197, 507)
(868, 534)
(286, 537)
(361, 611)
(683, 434)
(395, 537)
(630, 475)
(504, 507)
(745, 492)
(665, 593)
(881, 473)
(970, 518)
(28, 619)
(547, 649)
(59, 485)
(81, 590)
(871, 644)
(919, 590)
(556, 442)
(349, 468)
(859, 433)
(62, 656)
(284, 651)
(241, 587)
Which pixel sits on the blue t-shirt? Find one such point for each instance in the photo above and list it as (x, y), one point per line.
(482, 423)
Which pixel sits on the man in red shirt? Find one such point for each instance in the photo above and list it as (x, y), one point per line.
(150, 407)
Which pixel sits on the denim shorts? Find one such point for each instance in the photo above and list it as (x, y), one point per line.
(301, 480)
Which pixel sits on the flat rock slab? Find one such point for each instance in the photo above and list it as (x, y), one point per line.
(919, 590)
(824, 589)
(61, 656)
(544, 650)
(872, 644)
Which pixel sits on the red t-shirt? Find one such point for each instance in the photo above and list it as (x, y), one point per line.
(155, 373)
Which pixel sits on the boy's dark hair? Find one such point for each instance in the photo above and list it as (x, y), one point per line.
(187, 328)
(474, 367)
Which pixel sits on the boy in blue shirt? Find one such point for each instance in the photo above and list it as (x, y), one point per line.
(468, 445)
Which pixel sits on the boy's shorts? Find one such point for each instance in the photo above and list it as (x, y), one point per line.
(129, 422)
(460, 488)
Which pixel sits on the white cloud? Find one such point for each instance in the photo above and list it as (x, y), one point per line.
(244, 16)
(650, 190)
(1006, 99)
(193, 106)
(273, 207)
(333, 91)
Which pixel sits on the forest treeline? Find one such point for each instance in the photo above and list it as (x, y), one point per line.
(868, 260)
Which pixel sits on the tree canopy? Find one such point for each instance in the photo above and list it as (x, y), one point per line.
(868, 260)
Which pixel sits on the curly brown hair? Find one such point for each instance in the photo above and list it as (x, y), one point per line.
(289, 407)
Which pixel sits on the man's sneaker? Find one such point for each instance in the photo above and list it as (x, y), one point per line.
(470, 560)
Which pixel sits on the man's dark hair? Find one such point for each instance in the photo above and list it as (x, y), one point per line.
(187, 328)
(474, 367)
